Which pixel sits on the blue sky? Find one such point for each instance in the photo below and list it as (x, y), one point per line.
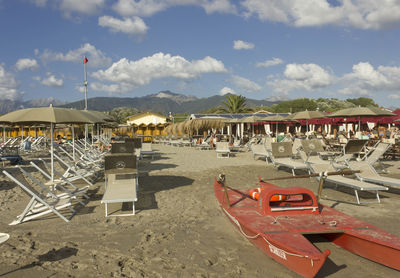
(258, 48)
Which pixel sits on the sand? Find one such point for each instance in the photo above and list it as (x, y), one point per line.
(178, 230)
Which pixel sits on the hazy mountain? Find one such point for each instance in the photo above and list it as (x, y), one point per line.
(7, 106)
(162, 102)
(173, 96)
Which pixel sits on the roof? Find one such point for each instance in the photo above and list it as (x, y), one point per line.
(233, 116)
(143, 114)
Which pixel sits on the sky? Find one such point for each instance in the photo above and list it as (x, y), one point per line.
(278, 49)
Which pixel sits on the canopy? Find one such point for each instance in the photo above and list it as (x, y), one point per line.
(361, 111)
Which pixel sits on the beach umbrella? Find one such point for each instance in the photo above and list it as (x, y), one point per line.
(360, 112)
(207, 123)
(48, 115)
(307, 115)
(277, 119)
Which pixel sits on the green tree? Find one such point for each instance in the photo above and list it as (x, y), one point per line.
(121, 114)
(295, 105)
(234, 104)
(362, 101)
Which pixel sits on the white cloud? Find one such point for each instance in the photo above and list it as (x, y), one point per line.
(26, 63)
(245, 84)
(132, 26)
(226, 90)
(50, 80)
(150, 7)
(354, 91)
(8, 85)
(39, 3)
(394, 96)
(96, 57)
(82, 6)
(302, 76)
(270, 63)
(238, 45)
(130, 74)
(363, 14)
(366, 78)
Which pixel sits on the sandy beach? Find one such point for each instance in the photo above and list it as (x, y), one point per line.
(179, 229)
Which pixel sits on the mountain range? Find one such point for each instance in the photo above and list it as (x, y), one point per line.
(161, 102)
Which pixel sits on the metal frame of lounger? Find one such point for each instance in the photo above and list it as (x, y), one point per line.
(356, 185)
(222, 149)
(60, 183)
(73, 170)
(38, 206)
(369, 174)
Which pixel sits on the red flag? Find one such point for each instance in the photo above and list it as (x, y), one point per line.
(85, 60)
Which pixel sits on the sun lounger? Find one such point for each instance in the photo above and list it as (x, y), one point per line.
(369, 174)
(222, 149)
(61, 183)
(42, 202)
(282, 156)
(147, 150)
(259, 150)
(356, 185)
(121, 181)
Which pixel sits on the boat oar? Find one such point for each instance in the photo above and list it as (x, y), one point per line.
(345, 172)
(221, 179)
(323, 176)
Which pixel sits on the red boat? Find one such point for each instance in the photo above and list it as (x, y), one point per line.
(281, 217)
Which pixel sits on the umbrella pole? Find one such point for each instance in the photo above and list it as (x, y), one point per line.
(52, 152)
(73, 142)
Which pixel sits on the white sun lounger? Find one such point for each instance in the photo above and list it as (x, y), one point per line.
(348, 182)
(147, 150)
(222, 149)
(121, 181)
(369, 174)
(259, 150)
(282, 156)
(41, 203)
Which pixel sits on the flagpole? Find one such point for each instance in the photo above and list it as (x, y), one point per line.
(85, 83)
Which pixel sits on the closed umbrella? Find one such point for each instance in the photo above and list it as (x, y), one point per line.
(48, 115)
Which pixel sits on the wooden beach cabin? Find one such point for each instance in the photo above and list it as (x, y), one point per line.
(148, 124)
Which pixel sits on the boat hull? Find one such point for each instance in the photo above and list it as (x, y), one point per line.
(283, 237)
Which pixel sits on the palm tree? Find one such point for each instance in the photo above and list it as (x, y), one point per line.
(235, 104)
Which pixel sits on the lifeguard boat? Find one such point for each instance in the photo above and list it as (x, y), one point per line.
(278, 220)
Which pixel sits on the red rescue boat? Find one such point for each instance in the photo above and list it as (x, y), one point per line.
(279, 220)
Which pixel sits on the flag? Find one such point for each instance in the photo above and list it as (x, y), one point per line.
(85, 60)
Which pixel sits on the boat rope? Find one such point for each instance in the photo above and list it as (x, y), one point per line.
(234, 220)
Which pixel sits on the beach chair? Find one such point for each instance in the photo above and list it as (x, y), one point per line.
(356, 185)
(42, 202)
(61, 183)
(282, 156)
(369, 174)
(74, 170)
(147, 150)
(259, 150)
(354, 148)
(222, 149)
(121, 181)
(375, 155)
